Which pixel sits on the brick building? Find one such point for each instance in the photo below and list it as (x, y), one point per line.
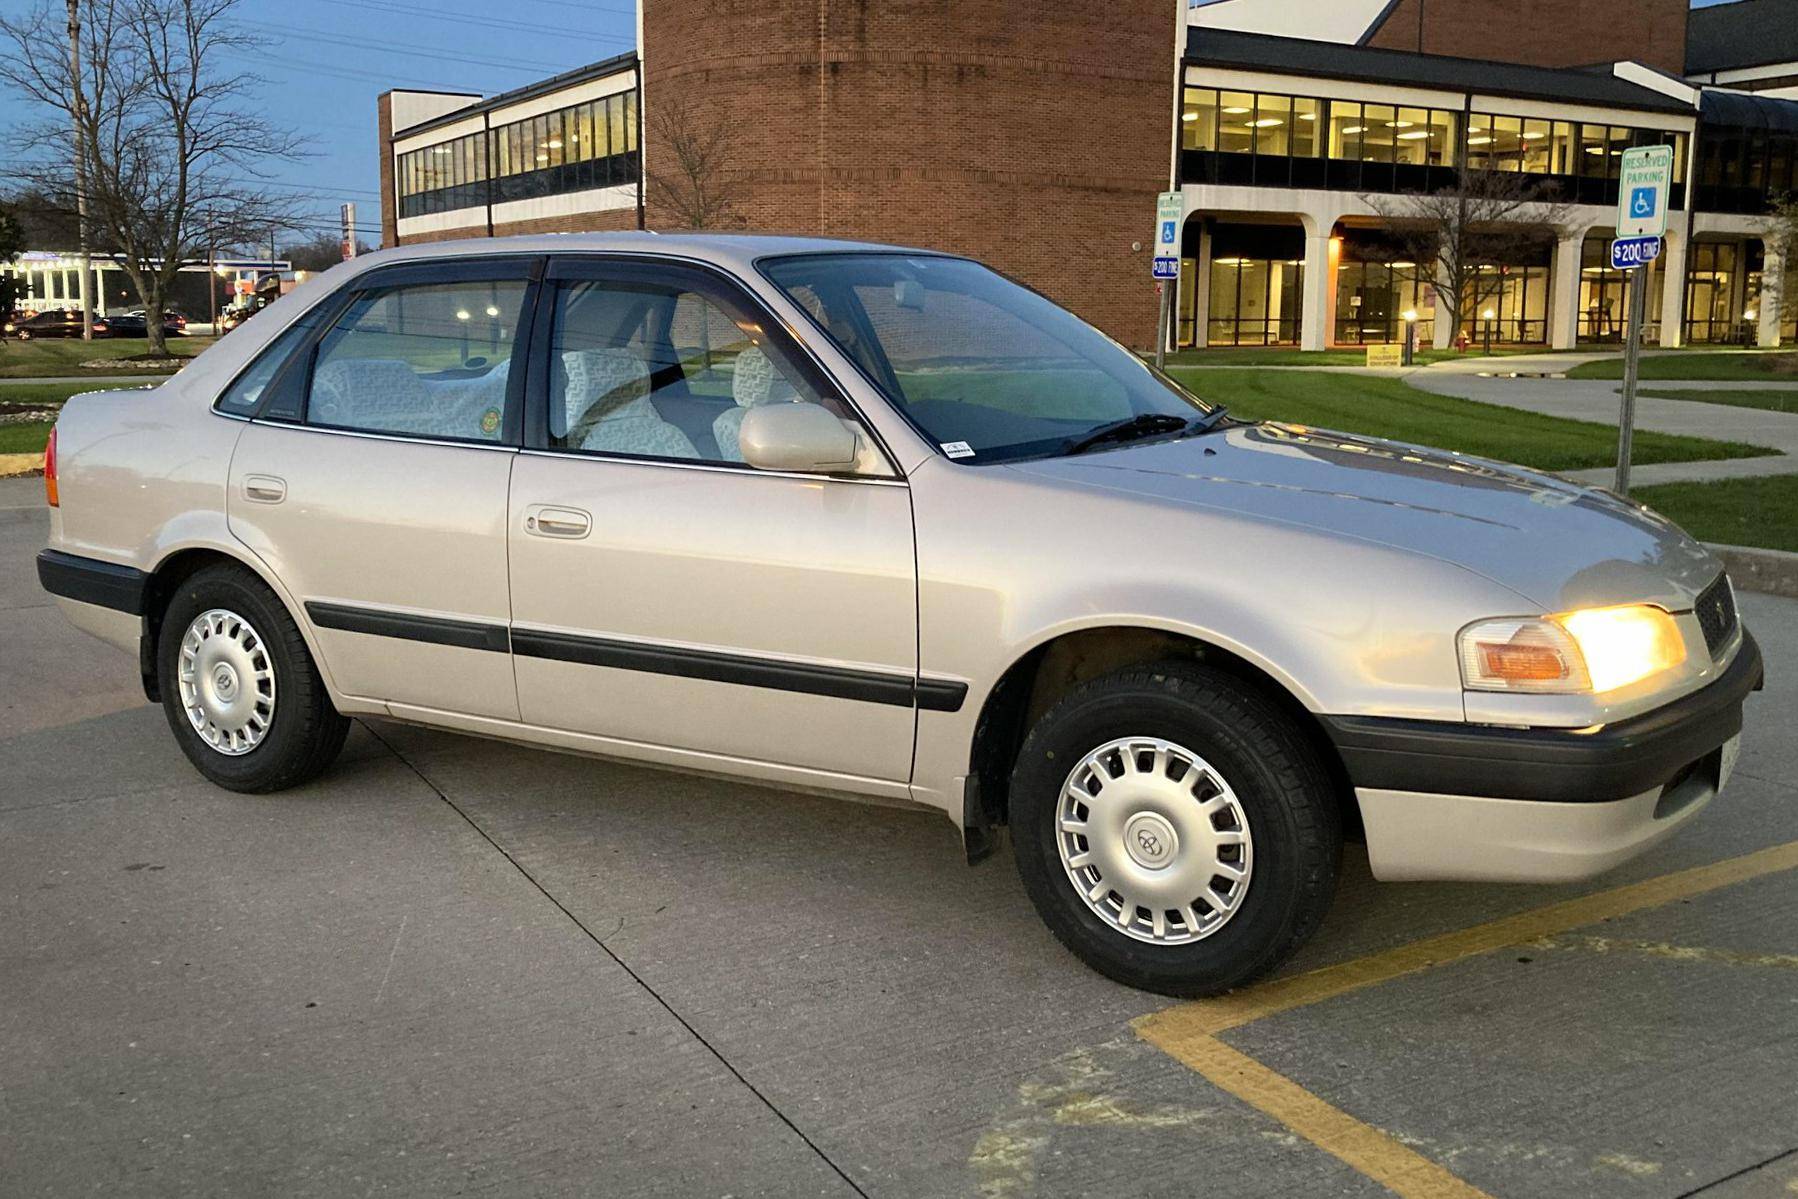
(1037, 142)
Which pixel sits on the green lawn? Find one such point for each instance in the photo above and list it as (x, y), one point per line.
(54, 393)
(1712, 364)
(1385, 407)
(1761, 512)
(64, 356)
(1768, 398)
(28, 438)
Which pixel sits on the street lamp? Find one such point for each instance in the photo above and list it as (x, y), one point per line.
(1410, 315)
(1488, 314)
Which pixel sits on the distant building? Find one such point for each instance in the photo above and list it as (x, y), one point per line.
(50, 280)
(1037, 141)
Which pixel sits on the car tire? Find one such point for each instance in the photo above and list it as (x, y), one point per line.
(1195, 752)
(24, 335)
(239, 687)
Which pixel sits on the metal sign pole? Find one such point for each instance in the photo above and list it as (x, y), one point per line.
(1632, 357)
(1161, 327)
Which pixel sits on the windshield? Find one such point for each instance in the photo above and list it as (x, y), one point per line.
(988, 369)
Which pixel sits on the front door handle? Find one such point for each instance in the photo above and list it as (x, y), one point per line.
(546, 521)
(264, 489)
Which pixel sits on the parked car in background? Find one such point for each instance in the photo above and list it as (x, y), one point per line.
(56, 324)
(133, 324)
(882, 523)
(173, 323)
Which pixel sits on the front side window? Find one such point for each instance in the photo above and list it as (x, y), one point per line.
(430, 360)
(655, 370)
(984, 367)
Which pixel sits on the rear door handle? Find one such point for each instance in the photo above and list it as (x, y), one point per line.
(264, 489)
(544, 520)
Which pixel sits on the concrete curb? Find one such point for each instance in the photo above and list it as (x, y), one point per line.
(1774, 572)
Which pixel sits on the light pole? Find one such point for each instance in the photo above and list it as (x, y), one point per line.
(1488, 314)
(1410, 337)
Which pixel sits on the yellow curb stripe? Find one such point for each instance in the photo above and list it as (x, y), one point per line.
(1171, 1028)
(20, 464)
(1402, 1171)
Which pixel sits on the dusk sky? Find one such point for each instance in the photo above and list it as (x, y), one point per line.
(327, 60)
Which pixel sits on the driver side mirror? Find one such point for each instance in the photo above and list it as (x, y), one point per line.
(796, 437)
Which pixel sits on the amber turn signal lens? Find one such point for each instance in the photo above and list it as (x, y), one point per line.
(1519, 663)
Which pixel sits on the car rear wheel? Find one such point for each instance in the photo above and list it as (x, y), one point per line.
(239, 687)
(1175, 829)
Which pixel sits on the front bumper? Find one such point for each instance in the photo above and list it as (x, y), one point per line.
(1473, 802)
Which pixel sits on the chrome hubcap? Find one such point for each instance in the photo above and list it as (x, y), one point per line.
(1154, 840)
(227, 682)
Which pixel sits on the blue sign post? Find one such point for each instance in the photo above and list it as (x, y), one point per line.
(1645, 177)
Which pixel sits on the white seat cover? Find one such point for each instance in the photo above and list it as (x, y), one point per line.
(608, 392)
(754, 381)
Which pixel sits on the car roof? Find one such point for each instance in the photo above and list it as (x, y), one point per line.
(735, 251)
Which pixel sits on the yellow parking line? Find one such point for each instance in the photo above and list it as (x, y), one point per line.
(1400, 1170)
(1189, 1032)
(1171, 1028)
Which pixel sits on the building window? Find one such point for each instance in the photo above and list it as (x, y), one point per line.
(572, 149)
(1713, 302)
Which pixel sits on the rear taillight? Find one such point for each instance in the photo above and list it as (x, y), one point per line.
(50, 495)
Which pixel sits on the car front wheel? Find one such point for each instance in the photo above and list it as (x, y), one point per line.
(1174, 828)
(239, 687)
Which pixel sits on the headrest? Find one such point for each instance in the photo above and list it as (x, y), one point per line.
(755, 381)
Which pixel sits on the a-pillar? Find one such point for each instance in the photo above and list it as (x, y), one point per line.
(1317, 315)
(1772, 295)
(1563, 301)
(1672, 266)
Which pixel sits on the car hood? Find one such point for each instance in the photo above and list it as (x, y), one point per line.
(1557, 543)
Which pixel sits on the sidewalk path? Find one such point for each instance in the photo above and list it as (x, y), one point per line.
(1596, 400)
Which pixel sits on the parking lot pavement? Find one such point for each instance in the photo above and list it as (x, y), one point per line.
(453, 965)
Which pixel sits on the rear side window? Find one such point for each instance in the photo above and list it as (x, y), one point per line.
(242, 397)
(431, 360)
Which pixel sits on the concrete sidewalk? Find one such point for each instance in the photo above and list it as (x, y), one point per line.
(1597, 400)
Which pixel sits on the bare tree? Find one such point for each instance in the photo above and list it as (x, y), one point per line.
(12, 242)
(688, 179)
(1487, 218)
(174, 160)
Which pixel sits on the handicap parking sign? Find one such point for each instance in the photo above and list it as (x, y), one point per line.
(1641, 202)
(1167, 233)
(1644, 177)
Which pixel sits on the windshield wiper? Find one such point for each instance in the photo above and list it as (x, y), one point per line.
(1144, 424)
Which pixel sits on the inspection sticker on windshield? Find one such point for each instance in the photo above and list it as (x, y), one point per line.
(958, 449)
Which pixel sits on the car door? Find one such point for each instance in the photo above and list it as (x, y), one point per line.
(666, 596)
(373, 481)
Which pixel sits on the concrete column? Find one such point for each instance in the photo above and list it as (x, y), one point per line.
(1201, 289)
(1673, 291)
(1563, 296)
(1772, 296)
(1317, 313)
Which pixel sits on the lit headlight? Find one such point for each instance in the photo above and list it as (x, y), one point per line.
(1594, 649)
